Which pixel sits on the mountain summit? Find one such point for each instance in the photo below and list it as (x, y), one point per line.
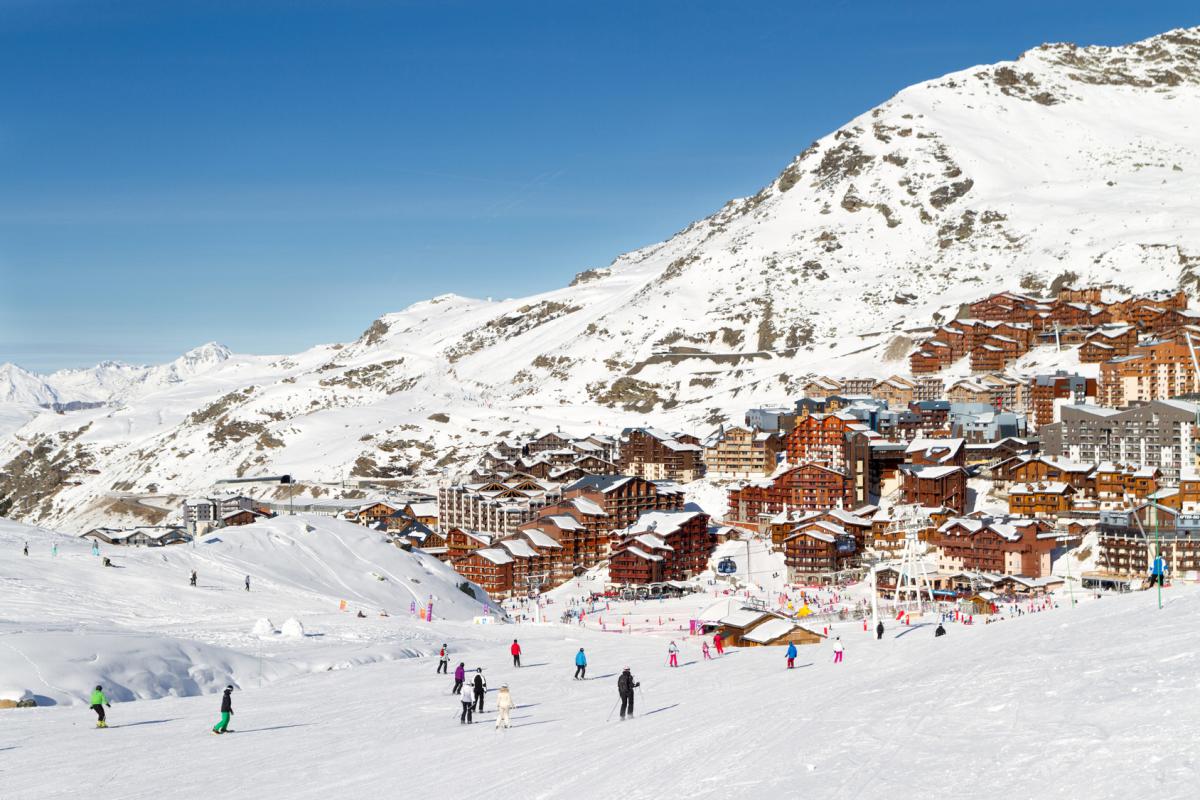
(1069, 164)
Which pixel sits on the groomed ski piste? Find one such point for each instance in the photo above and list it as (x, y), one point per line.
(1094, 700)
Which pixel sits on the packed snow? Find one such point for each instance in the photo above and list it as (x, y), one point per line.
(1093, 699)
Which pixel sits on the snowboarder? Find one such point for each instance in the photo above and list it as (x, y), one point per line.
(704, 650)
(720, 643)
(941, 630)
(838, 649)
(580, 665)
(504, 704)
(192, 579)
(247, 583)
(673, 654)
(466, 699)
(460, 675)
(480, 688)
(443, 661)
(516, 653)
(879, 631)
(625, 687)
(226, 711)
(791, 655)
(99, 701)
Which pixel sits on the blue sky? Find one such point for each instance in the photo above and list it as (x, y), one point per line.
(272, 175)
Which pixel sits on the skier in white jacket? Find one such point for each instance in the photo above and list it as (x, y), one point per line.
(504, 704)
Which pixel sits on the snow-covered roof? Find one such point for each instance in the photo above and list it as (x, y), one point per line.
(588, 507)
(933, 473)
(496, 555)
(770, 630)
(540, 538)
(664, 523)
(519, 548)
(921, 445)
(1050, 487)
(743, 617)
(564, 522)
(652, 541)
(640, 553)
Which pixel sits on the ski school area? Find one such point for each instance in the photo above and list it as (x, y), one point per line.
(1092, 699)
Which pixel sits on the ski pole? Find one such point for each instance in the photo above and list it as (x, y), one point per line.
(611, 712)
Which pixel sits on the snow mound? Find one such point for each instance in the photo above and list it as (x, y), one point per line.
(264, 627)
(293, 629)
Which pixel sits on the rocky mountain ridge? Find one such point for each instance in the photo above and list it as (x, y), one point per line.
(1070, 164)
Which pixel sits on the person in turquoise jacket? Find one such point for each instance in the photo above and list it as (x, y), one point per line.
(580, 666)
(791, 655)
(99, 701)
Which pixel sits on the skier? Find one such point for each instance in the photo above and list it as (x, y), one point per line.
(460, 675)
(704, 650)
(480, 688)
(580, 665)
(625, 687)
(504, 704)
(226, 711)
(27, 548)
(99, 701)
(879, 631)
(1158, 571)
(247, 583)
(941, 631)
(720, 643)
(673, 654)
(838, 649)
(467, 700)
(516, 653)
(54, 549)
(192, 579)
(443, 661)
(791, 655)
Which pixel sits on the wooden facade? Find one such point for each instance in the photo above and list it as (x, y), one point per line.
(807, 487)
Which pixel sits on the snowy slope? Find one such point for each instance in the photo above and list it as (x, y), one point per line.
(67, 623)
(1094, 701)
(1067, 164)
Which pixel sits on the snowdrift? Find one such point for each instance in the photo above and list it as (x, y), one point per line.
(67, 623)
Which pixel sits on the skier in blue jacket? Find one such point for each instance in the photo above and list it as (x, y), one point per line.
(791, 655)
(580, 666)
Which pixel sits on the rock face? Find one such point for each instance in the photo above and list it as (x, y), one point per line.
(1069, 164)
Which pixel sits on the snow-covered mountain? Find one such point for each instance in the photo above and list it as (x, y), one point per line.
(1077, 164)
(22, 387)
(107, 382)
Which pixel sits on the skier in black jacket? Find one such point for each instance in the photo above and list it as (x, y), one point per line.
(226, 711)
(941, 631)
(879, 630)
(625, 687)
(480, 689)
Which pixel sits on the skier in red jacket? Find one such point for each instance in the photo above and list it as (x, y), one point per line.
(720, 643)
(516, 653)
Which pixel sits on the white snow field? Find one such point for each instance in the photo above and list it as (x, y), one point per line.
(1095, 701)
(67, 623)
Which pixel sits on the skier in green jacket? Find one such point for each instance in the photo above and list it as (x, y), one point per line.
(99, 701)
(226, 711)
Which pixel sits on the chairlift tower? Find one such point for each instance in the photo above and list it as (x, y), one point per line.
(912, 582)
